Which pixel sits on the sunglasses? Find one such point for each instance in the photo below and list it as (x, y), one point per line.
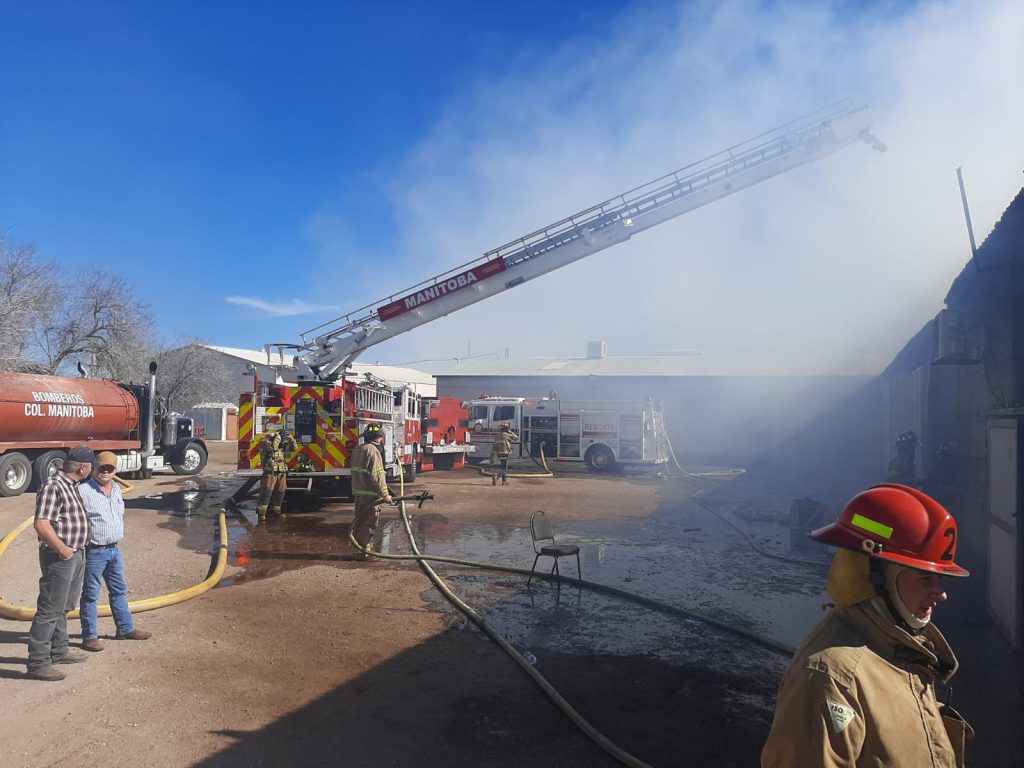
(107, 468)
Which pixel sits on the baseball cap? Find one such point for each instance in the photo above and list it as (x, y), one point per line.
(106, 458)
(83, 454)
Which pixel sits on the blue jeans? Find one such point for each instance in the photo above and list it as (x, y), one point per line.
(104, 565)
(59, 587)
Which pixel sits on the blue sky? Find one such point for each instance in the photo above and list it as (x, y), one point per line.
(255, 170)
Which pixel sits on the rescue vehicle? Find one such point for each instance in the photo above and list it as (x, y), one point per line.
(605, 434)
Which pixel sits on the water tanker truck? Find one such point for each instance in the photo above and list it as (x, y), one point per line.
(41, 417)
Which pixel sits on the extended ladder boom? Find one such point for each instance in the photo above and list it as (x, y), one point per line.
(330, 348)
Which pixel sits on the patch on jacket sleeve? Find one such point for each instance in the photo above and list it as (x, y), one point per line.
(839, 714)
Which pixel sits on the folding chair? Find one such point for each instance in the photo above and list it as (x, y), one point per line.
(541, 530)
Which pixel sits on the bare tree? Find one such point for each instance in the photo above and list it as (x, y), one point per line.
(98, 320)
(27, 295)
(48, 324)
(192, 374)
(127, 361)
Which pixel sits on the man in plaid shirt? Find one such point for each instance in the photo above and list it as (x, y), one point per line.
(62, 526)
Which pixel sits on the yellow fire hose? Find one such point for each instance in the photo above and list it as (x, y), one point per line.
(596, 736)
(21, 613)
(618, 753)
(546, 473)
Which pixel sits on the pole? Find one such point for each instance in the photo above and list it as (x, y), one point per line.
(967, 216)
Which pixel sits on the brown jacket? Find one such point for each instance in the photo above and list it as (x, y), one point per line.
(369, 478)
(502, 445)
(861, 692)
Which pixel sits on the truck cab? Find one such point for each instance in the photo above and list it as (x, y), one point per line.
(486, 415)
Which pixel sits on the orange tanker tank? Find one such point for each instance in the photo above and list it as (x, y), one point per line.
(41, 417)
(39, 411)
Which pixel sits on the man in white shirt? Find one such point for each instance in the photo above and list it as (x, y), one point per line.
(105, 507)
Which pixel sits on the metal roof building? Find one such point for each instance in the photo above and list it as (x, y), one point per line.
(281, 368)
(719, 409)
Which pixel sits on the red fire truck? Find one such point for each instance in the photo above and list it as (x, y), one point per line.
(327, 420)
(445, 438)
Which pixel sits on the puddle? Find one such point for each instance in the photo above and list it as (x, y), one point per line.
(709, 559)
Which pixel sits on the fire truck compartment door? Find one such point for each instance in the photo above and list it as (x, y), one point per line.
(305, 421)
(600, 428)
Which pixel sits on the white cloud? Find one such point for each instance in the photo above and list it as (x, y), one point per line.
(279, 308)
(851, 255)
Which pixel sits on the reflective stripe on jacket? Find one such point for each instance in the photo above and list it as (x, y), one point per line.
(369, 478)
(861, 692)
(275, 450)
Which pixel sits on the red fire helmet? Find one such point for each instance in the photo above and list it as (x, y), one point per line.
(899, 524)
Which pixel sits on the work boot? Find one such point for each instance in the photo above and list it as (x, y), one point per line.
(71, 657)
(135, 634)
(49, 672)
(504, 481)
(93, 644)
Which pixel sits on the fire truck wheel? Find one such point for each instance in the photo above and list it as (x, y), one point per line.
(15, 474)
(409, 472)
(45, 465)
(600, 459)
(193, 459)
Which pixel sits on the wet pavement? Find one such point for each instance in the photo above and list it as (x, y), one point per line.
(712, 548)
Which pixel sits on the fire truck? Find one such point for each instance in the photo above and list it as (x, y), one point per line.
(445, 439)
(605, 434)
(328, 407)
(326, 419)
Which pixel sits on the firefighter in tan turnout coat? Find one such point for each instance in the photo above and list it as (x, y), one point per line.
(274, 452)
(500, 450)
(369, 486)
(861, 689)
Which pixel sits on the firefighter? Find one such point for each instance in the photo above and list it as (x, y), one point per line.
(861, 688)
(274, 452)
(500, 449)
(902, 468)
(369, 486)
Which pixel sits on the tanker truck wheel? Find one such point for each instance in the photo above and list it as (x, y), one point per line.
(15, 474)
(45, 465)
(193, 459)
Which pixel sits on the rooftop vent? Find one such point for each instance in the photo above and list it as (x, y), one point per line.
(597, 349)
(956, 340)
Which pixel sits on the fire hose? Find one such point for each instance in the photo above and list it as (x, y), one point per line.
(559, 701)
(596, 736)
(22, 613)
(543, 463)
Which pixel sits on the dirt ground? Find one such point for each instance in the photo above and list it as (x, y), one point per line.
(303, 656)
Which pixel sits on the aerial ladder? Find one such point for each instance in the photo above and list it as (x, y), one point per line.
(329, 349)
